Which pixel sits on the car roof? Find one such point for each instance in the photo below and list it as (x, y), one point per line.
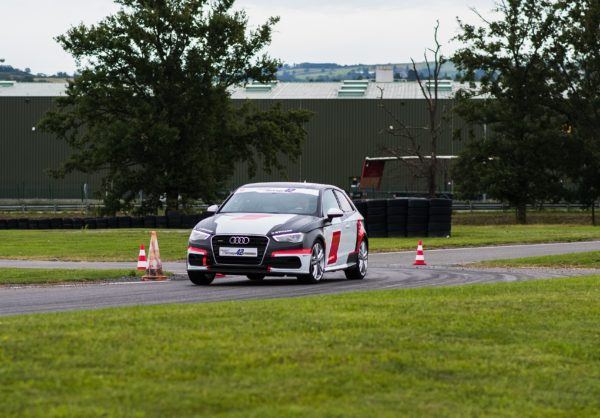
(293, 185)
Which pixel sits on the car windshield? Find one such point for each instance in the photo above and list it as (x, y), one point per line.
(273, 200)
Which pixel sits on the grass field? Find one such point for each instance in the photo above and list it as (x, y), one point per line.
(123, 244)
(474, 235)
(11, 276)
(576, 260)
(519, 349)
(573, 217)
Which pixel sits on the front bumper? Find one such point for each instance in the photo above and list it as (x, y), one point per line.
(280, 259)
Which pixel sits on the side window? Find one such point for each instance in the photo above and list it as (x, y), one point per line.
(329, 201)
(346, 206)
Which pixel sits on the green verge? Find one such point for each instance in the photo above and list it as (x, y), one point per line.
(575, 260)
(476, 235)
(123, 244)
(12, 276)
(519, 349)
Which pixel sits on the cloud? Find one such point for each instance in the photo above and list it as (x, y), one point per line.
(359, 31)
(343, 31)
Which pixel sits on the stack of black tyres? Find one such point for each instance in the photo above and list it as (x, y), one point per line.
(417, 218)
(174, 220)
(123, 221)
(113, 222)
(440, 217)
(102, 223)
(44, 223)
(397, 212)
(56, 223)
(377, 218)
(150, 221)
(361, 206)
(161, 222)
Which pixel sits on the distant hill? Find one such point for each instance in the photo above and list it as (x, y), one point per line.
(303, 72)
(8, 72)
(323, 72)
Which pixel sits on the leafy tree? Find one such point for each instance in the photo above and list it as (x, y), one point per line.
(576, 63)
(151, 106)
(521, 159)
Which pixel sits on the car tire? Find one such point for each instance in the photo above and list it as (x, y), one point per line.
(256, 277)
(359, 270)
(201, 279)
(317, 264)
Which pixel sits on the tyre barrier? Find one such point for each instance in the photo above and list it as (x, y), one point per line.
(180, 221)
(407, 217)
(417, 218)
(440, 218)
(397, 210)
(377, 215)
(403, 217)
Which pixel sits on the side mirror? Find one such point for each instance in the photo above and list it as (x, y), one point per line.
(212, 209)
(334, 213)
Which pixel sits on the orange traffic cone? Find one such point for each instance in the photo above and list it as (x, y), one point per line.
(420, 259)
(154, 270)
(142, 261)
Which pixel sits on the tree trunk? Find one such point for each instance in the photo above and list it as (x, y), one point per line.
(521, 213)
(432, 180)
(594, 213)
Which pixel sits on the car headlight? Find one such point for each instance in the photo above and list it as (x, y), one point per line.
(199, 235)
(295, 237)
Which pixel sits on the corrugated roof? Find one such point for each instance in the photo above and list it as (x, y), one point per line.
(34, 90)
(281, 91)
(398, 90)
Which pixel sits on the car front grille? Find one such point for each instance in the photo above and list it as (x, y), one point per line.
(258, 242)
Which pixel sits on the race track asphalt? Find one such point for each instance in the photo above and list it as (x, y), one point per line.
(387, 271)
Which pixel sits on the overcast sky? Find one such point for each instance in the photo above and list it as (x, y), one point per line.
(342, 31)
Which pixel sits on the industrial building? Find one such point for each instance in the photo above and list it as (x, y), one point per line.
(348, 125)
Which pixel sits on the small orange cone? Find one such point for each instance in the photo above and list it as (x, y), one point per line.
(142, 261)
(154, 271)
(420, 259)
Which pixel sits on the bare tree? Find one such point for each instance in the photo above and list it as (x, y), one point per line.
(424, 160)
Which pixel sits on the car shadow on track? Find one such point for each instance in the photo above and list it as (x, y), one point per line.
(269, 282)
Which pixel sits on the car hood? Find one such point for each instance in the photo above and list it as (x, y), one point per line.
(257, 223)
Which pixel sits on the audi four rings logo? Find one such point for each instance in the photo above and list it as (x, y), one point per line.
(239, 240)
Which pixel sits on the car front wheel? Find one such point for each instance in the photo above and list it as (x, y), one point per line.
(201, 279)
(359, 270)
(317, 264)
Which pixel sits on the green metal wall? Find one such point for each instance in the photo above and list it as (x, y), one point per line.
(343, 132)
(26, 155)
(340, 134)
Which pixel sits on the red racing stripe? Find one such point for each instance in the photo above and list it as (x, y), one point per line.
(360, 235)
(197, 250)
(335, 245)
(303, 251)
